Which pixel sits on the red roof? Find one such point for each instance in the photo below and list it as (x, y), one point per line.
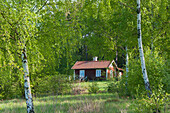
(91, 64)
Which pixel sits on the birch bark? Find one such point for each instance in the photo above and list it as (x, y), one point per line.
(28, 96)
(144, 72)
(127, 70)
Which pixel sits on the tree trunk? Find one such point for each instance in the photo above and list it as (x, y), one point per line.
(145, 77)
(28, 96)
(127, 70)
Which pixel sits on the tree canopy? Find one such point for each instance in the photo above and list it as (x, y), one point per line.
(59, 33)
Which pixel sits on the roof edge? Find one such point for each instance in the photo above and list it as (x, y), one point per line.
(74, 64)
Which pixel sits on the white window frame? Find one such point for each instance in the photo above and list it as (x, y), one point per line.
(120, 74)
(98, 72)
(82, 73)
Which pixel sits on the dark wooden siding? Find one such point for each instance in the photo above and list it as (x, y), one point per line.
(91, 73)
(76, 71)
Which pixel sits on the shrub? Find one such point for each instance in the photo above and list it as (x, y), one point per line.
(54, 84)
(94, 88)
(156, 66)
(117, 86)
(112, 87)
(154, 104)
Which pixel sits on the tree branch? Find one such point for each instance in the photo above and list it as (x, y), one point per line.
(42, 6)
(33, 8)
(6, 19)
(7, 50)
(127, 6)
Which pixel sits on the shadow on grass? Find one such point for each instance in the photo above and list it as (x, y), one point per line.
(78, 97)
(12, 100)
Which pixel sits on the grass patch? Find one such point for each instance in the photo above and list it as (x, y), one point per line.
(102, 103)
(78, 103)
(83, 86)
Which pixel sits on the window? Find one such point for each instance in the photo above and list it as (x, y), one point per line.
(111, 73)
(82, 73)
(98, 73)
(120, 74)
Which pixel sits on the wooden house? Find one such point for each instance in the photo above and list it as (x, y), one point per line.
(96, 69)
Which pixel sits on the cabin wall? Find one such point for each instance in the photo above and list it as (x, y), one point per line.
(91, 73)
(113, 74)
(77, 71)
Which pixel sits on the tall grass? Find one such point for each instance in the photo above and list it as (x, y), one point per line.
(85, 85)
(79, 102)
(101, 103)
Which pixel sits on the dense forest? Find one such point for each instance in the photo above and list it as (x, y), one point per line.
(57, 33)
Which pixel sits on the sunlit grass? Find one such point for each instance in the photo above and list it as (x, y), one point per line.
(103, 102)
(101, 84)
(76, 103)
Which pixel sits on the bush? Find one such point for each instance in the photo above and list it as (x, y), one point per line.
(117, 86)
(154, 104)
(156, 66)
(113, 87)
(11, 83)
(94, 88)
(54, 84)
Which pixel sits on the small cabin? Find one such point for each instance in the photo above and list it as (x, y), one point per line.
(95, 69)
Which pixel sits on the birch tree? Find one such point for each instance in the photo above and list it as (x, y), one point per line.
(145, 76)
(60, 37)
(18, 29)
(127, 70)
(28, 96)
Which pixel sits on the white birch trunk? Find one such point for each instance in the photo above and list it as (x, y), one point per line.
(145, 77)
(127, 58)
(106, 73)
(127, 70)
(28, 96)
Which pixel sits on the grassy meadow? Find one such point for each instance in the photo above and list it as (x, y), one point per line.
(83, 86)
(83, 102)
(102, 103)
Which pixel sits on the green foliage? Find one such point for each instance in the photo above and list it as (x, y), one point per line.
(85, 103)
(56, 84)
(157, 69)
(17, 30)
(118, 87)
(10, 82)
(93, 88)
(113, 86)
(155, 103)
(59, 33)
